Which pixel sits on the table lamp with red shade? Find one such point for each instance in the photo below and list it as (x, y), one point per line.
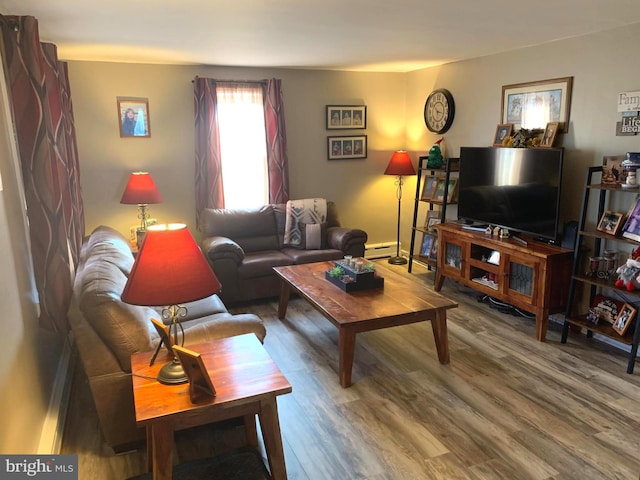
(141, 191)
(169, 271)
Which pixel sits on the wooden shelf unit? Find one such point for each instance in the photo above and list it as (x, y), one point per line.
(532, 277)
(587, 230)
(451, 165)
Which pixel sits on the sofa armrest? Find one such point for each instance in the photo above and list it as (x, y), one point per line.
(350, 240)
(224, 325)
(217, 248)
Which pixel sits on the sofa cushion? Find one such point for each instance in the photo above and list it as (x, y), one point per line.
(252, 229)
(298, 256)
(109, 245)
(260, 264)
(124, 328)
(313, 236)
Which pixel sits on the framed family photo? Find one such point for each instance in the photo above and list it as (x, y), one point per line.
(427, 244)
(344, 147)
(624, 319)
(133, 117)
(549, 135)
(610, 222)
(532, 105)
(346, 117)
(429, 187)
(503, 131)
(451, 187)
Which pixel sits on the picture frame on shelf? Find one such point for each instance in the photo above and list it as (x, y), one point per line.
(438, 196)
(433, 253)
(631, 228)
(133, 117)
(429, 187)
(519, 100)
(346, 147)
(549, 135)
(503, 130)
(433, 218)
(624, 318)
(427, 244)
(343, 117)
(610, 222)
(605, 308)
(612, 171)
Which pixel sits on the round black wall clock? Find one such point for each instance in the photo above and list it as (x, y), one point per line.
(439, 110)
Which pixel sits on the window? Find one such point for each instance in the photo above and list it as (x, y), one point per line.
(243, 147)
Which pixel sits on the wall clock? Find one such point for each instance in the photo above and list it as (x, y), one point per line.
(439, 110)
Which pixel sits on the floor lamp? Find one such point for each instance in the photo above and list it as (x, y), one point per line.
(399, 165)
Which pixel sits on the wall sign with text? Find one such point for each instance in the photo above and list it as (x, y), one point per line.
(629, 108)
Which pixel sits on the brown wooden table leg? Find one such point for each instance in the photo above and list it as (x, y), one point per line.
(162, 450)
(250, 430)
(285, 293)
(346, 352)
(440, 335)
(270, 426)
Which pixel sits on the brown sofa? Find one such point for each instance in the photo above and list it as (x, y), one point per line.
(107, 331)
(244, 245)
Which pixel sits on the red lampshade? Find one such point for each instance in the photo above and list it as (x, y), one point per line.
(170, 269)
(140, 190)
(400, 164)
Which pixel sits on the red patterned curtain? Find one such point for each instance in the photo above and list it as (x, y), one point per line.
(209, 189)
(43, 118)
(208, 181)
(278, 166)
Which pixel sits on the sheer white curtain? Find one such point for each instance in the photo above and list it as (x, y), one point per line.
(243, 148)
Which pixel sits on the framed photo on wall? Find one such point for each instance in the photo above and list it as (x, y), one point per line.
(521, 104)
(342, 117)
(133, 117)
(344, 147)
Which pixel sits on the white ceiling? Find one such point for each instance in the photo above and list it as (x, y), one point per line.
(366, 35)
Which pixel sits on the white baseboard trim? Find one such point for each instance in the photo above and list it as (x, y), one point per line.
(53, 425)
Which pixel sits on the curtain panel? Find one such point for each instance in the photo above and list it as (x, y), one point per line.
(43, 118)
(208, 177)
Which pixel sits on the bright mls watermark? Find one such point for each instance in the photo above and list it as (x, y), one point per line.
(51, 467)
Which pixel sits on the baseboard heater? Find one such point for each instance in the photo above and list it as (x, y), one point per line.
(380, 250)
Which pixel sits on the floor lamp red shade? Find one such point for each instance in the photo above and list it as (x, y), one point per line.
(400, 165)
(170, 269)
(141, 191)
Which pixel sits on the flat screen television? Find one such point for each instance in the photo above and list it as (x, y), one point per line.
(513, 188)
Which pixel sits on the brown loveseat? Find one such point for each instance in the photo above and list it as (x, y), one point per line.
(107, 331)
(244, 245)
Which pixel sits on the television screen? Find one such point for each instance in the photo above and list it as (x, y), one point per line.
(513, 188)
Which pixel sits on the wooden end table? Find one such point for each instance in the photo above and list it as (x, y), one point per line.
(402, 301)
(247, 382)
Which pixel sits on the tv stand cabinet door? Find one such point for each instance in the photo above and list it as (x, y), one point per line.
(521, 280)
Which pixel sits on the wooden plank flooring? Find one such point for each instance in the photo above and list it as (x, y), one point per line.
(506, 407)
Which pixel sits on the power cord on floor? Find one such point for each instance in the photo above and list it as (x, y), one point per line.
(503, 307)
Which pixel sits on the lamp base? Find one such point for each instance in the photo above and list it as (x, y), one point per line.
(398, 261)
(172, 373)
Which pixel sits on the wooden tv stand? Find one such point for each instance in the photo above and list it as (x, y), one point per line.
(529, 275)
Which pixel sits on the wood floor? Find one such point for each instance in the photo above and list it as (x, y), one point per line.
(507, 407)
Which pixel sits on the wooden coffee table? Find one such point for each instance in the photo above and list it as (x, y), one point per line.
(402, 301)
(247, 382)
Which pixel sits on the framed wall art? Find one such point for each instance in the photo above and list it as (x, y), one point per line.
(344, 147)
(342, 117)
(534, 104)
(133, 117)
(503, 131)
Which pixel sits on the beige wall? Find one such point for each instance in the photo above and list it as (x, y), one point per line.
(364, 196)
(600, 64)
